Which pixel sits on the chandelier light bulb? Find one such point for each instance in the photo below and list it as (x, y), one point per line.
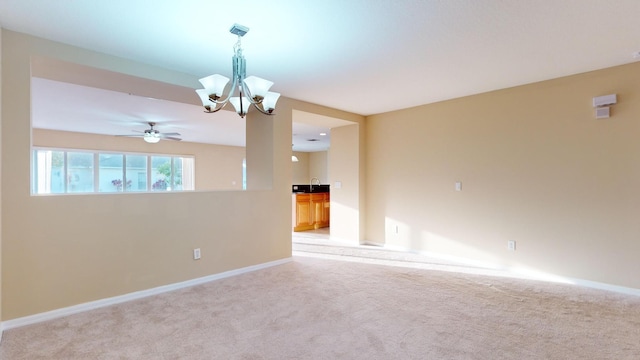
(214, 85)
(258, 88)
(269, 101)
(241, 109)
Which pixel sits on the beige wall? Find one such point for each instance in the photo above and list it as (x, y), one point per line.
(301, 168)
(536, 167)
(262, 136)
(319, 166)
(345, 167)
(310, 165)
(1, 116)
(59, 251)
(217, 167)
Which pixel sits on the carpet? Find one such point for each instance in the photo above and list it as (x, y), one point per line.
(314, 308)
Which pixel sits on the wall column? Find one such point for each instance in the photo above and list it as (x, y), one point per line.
(259, 141)
(346, 184)
(0, 181)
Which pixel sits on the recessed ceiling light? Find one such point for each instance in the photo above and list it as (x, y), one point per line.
(323, 134)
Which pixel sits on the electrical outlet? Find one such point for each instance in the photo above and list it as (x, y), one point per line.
(196, 254)
(511, 245)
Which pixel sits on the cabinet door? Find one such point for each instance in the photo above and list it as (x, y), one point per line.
(326, 211)
(311, 211)
(317, 203)
(303, 213)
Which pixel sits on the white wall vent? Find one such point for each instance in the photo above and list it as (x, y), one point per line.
(602, 103)
(605, 100)
(602, 112)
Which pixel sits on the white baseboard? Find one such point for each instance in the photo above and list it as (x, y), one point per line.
(54, 314)
(520, 273)
(606, 287)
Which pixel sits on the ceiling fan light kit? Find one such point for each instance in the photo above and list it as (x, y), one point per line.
(152, 135)
(252, 90)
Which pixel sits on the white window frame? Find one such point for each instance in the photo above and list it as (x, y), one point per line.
(35, 184)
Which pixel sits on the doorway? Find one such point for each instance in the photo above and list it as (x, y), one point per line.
(328, 160)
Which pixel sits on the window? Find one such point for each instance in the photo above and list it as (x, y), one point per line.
(79, 172)
(161, 173)
(136, 172)
(110, 168)
(244, 174)
(59, 171)
(48, 175)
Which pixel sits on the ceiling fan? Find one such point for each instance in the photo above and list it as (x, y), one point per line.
(152, 135)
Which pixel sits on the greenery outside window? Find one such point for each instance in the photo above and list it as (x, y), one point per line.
(56, 171)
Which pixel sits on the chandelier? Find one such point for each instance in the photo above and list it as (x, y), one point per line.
(252, 90)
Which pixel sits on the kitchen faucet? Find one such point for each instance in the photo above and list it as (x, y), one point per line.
(311, 183)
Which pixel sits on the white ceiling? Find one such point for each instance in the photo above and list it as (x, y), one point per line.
(71, 107)
(363, 56)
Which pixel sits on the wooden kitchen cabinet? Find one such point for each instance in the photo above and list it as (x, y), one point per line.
(310, 211)
(326, 210)
(302, 215)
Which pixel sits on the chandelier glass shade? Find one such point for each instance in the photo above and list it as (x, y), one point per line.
(251, 91)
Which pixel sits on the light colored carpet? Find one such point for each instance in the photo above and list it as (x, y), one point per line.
(315, 308)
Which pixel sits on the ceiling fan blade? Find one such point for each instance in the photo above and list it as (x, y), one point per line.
(167, 136)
